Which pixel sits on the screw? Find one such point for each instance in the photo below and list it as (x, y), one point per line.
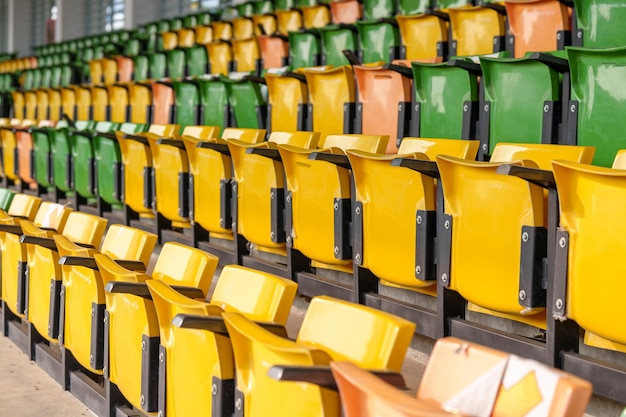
(289, 240)
(143, 400)
(91, 359)
(558, 303)
(522, 295)
(444, 278)
(446, 224)
(486, 108)
(485, 147)
(465, 107)
(336, 250)
(417, 107)
(214, 389)
(233, 226)
(51, 286)
(579, 34)
(357, 210)
(221, 185)
(572, 108)
(235, 187)
(272, 235)
(161, 357)
(221, 222)
(357, 258)
(419, 219)
(511, 40)
(558, 35)
(289, 198)
(525, 237)
(359, 107)
(418, 270)
(143, 345)
(399, 107)
(106, 320)
(562, 242)
(546, 108)
(160, 413)
(238, 404)
(93, 312)
(272, 195)
(336, 206)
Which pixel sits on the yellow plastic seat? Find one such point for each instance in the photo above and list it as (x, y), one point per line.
(476, 30)
(486, 382)
(109, 71)
(256, 295)
(204, 34)
(332, 330)
(487, 275)
(140, 96)
(54, 104)
(288, 21)
(132, 320)
(30, 104)
(389, 217)
(222, 30)
(220, 55)
(171, 172)
(246, 54)
(83, 102)
(41, 109)
(261, 188)
(316, 16)
(421, 34)
(243, 28)
(329, 91)
(95, 71)
(316, 187)
(83, 288)
(18, 104)
(170, 40)
(118, 102)
(267, 21)
(99, 103)
(210, 170)
(137, 160)
(287, 97)
(8, 136)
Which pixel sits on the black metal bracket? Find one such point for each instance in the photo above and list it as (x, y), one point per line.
(484, 129)
(470, 120)
(572, 122)
(340, 160)
(428, 168)
(13, 229)
(183, 194)
(96, 358)
(171, 142)
(79, 261)
(540, 177)
(149, 373)
(226, 219)
(218, 147)
(216, 324)
(444, 240)
(534, 250)
(277, 209)
(45, 242)
(551, 118)
(223, 392)
(270, 153)
(136, 138)
(342, 222)
(560, 274)
(425, 230)
(323, 377)
(55, 303)
(349, 114)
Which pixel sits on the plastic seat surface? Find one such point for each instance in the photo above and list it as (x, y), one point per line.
(474, 29)
(331, 330)
(601, 22)
(336, 39)
(304, 48)
(245, 99)
(503, 206)
(286, 95)
(422, 35)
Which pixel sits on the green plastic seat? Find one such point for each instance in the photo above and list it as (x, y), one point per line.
(42, 152)
(83, 159)
(203, 19)
(517, 91)
(304, 48)
(441, 92)
(36, 78)
(55, 76)
(6, 196)
(196, 61)
(446, 4)
(132, 47)
(411, 7)
(245, 9)
(283, 4)
(61, 145)
(190, 21)
(600, 23)
(263, 7)
(335, 40)
(67, 75)
(213, 102)
(46, 77)
(157, 65)
(248, 104)
(186, 103)
(109, 164)
(378, 40)
(175, 24)
(176, 63)
(596, 77)
(140, 67)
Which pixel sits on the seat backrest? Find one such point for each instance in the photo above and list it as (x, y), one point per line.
(258, 295)
(589, 198)
(535, 25)
(246, 99)
(593, 73)
(52, 215)
(220, 55)
(475, 30)
(6, 197)
(286, 96)
(329, 90)
(304, 49)
(84, 228)
(335, 40)
(378, 41)
(182, 265)
(315, 16)
(123, 242)
(244, 134)
(601, 22)
(163, 130)
(24, 205)
(342, 329)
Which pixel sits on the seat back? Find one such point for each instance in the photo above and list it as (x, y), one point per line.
(258, 295)
(304, 49)
(442, 92)
(335, 40)
(123, 242)
(329, 91)
(118, 102)
(378, 41)
(52, 216)
(246, 101)
(24, 205)
(213, 101)
(6, 197)
(476, 30)
(288, 21)
(220, 55)
(85, 228)
(503, 79)
(505, 208)
(140, 96)
(197, 61)
(422, 36)
(83, 160)
(315, 188)
(287, 97)
(389, 226)
(274, 51)
(198, 267)
(162, 102)
(345, 12)
(535, 26)
(588, 196)
(186, 102)
(99, 103)
(315, 16)
(592, 72)
(599, 28)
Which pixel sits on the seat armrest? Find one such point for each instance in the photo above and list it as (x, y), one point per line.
(558, 64)
(540, 177)
(428, 168)
(139, 289)
(45, 242)
(136, 138)
(337, 159)
(299, 77)
(468, 66)
(216, 324)
(14, 229)
(266, 152)
(107, 135)
(79, 261)
(131, 264)
(322, 375)
(404, 71)
(171, 142)
(218, 147)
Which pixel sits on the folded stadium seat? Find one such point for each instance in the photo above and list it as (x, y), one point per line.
(259, 196)
(542, 25)
(204, 34)
(222, 30)
(259, 296)
(422, 36)
(220, 55)
(324, 244)
(162, 103)
(247, 100)
(171, 180)
(395, 231)
(477, 30)
(197, 63)
(214, 109)
(592, 117)
(137, 184)
(140, 68)
(599, 24)
(108, 170)
(287, 101)
(76, 102)
(210, 173)
(17, 98)
(62, 144)
(30, 104)
(96, 75)
(119, 102)
(446, 101)
(315, 16)
(157, 65)
(588, 240)
(335, 39)
(535, 110)
(305, 48)
(124, 69)
(131, 328)
(506, 382)
(100, 108)
(274, 51)
(331, 330)
(10, 155)
(26, 159)
(83, 166)
(246, 55)
(506, 297)
(83, 305)
(43, 158)
(6, 197)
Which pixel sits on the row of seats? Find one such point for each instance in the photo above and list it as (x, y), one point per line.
(156, 342)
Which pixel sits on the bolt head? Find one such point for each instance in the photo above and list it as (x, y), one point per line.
(418, 270)
(143, 400)
(562, 242)
(525, 237)
(233, 226)
(400, 107)
(546, 108)
(288, 240)
(522, 295)
(511, 40)
(93, 312)
(417, 107)
(572, 108)
(214, 389)
(357, 210)
(579, 34)
(465, 107)
(558, 303)
(272, 195)
(336, 206)
(272, 235)
(446, 224)
(221, 222)
(143, 345)
(419, 219)
(238, 404)
(91, 359)
(161, 357)
(357, 258)
(336, 250)
(485, 148)
(486, 108)
(444, 278)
